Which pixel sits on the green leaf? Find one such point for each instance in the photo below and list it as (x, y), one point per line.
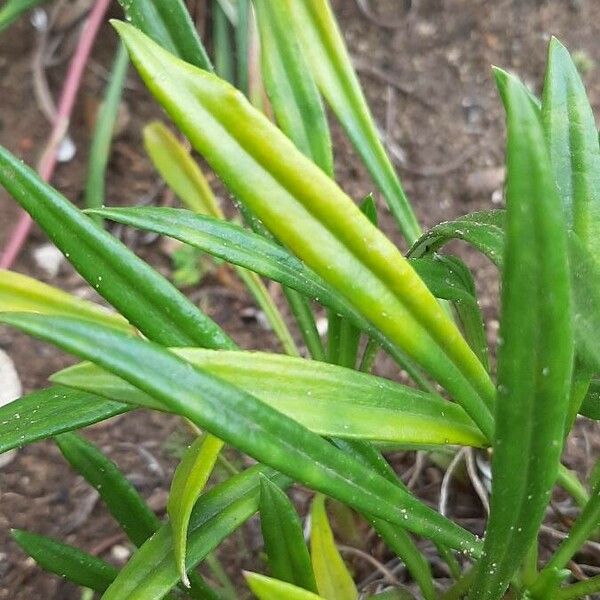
(180, 170)
(591, 403)
(572, 137)
(189, 480)
(323, 44)
(288, 555)
(449, 278)
(222, 43)
(334, 581)
(152, 571)
(137, 291)
(65, 561)
(47, 413)
(13, 9)
(106, 119)
(121, 498)
(327, 399)
(266, 588)
(483, 230)
(535, 356)
(242, 45)
(241, 420)
(168, 23)
(20, 293)
(291, 88)
(313, 217)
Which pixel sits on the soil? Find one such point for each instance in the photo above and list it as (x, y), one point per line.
(425, 66)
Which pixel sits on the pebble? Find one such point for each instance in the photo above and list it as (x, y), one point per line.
(48, 258)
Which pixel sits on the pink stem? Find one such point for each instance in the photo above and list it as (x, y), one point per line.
(60, 125)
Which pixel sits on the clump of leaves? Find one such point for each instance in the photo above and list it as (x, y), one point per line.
(322, 421)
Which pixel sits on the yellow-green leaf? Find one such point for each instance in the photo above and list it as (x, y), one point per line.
(188, 482)
(179, 170)
(334, 581)
(267, 588)
(20, 293)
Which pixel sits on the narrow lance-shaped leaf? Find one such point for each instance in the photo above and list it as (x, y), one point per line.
(66, 561)
(535, 357)
(189, 480)
(152, 571)
(20, 293)
(222, 43)
(168, 23)
(309, 213)
(240, 419)
(121, 498)
(103, 131)
(49, 412)
(290, 85)
(327, 399)
(572, 137)
(267, 588)
(282, 533)
(315, 25)
(334, 581)
(137, 291)
(179, 170)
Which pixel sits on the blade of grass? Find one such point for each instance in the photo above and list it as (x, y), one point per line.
(99, 152)
(267, 588)
(240, 419)
(20, 293)
(66, 561)
(572, 137)
(121, 498)
(52, 411)
(334, 581)
(330, 400)
(536, 355)
(323, 44)
(222, 43)
(242, 46)
(189, 480)
(286, 551)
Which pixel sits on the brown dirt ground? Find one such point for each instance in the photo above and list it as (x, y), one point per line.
(446, 123)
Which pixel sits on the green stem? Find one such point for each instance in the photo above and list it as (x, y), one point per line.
(460, 588)
(334, 332)
(369, 355)
(215, 566)
(242, 39)
(257, 288)
(349, 339)
(103, 132)
(571, 484)
(223, 49)
(579, 590)
(300, 307)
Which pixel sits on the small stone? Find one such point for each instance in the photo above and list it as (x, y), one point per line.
(48, 258)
